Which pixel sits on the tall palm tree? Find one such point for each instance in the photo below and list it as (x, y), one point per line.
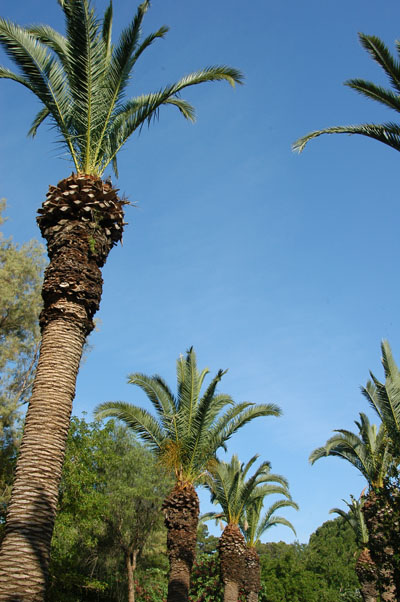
(253, 526)
(366, 569)
(233, 491)
(388, 133)
(369, 452)
(81, 80)
(185, 434)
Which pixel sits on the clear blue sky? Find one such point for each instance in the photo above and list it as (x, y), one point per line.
(282, 268)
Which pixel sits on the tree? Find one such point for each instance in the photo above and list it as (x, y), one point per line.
(388, 133)
(21, 269)
(253, 526)
(370, 453)
(81, 80)
(234, 492)
(185, 434)
(109, 513)
(366, 569)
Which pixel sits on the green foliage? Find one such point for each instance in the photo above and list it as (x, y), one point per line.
(81, 80)
(323, 570)
(110, 498)
(206, 583)
(388, 133)
(190, 427)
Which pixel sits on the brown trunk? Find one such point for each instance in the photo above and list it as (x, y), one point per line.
(367, 575)
(232, 551)
(130, 562)
(252, 576)
(181, 512)
(81, 220)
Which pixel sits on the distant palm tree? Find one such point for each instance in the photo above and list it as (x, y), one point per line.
(254, 525)
(185, 434)
(388, 133)
(234, 492)
(81, 80)
(366, 569)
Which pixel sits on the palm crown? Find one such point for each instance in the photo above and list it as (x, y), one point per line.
(233, 491)
(81, 81)
(188, 428)
(355, 518)
(368, 451)
(254, 525)
(388, 133)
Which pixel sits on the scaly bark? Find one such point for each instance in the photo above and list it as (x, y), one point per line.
(232, 552)
(252, 576)
(81, 220)
(367, 574)
(181, 513)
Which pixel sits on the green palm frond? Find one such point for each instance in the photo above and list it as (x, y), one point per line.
(368, 451)
(388, 133)
(190, 426)
(253, 524)
(81, 80)
(355, 518)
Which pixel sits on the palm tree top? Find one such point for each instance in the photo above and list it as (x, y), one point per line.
(355, 517)
(368, 451)
(233, 491)
(254, 525)
(82, 78)
(388, 133)
(188, 428)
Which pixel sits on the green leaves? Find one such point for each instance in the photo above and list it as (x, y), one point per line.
(190, 427)
(388, 133)
(82, 78)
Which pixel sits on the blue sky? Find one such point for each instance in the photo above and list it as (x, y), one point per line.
(282, 268)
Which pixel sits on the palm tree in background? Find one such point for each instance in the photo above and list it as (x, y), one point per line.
(365, 567)
(369, 452)
(388, 133)
(185, 435)
(81, 80)
(234, 492)
(254, 525)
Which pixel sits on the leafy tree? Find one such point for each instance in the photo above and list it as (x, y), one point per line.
(20, 301)
(233, 491)
(81, 80)
(185, 434)
(388, 133)
(109, 515)
(365, 567)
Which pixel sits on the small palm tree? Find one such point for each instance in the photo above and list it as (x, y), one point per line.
(185, 434)
(366, 569)
(234, 492)
(253, 526)
(81, 80)
(388, 133)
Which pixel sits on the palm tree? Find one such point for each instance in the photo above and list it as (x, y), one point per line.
(366, 569)
(81, 80)
(185, 434)
(369, 452)
(254, 526)
(231, 489)
(388, 133)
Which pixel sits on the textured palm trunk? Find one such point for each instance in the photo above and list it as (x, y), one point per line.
(81, 220)
(181, 512)
(232, 553)
(367, 575)
(252, 576)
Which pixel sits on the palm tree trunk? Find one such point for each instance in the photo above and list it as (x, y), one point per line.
(181, 512)
(81, 220)
(232, 551)
(367, 575)
(252, 577)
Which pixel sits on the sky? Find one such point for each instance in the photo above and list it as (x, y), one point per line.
(280, 267)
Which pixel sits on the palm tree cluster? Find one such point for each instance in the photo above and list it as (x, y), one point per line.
(375, 453)
(185, 433)
(81, 80)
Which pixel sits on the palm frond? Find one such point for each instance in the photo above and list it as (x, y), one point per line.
(380, 53)
(39, 119)
(378, 93)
